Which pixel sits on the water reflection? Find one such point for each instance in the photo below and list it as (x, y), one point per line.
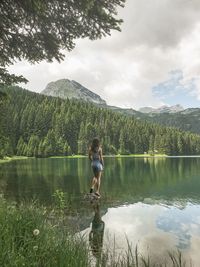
(155, 229)
(124, 179)
(96, 233)
(155, 203)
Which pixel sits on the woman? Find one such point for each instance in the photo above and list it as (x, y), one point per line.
(96, 234)
(95, 155)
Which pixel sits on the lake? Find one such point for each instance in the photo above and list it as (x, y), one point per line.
(153, 203)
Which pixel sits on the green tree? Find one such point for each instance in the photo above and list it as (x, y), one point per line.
(37, 30)
(5, 120)
(82, 141)
(20, 146)
(32, 147)
(24, 151)
(41, 149)
(122, 143)
(151, 144)
(180, 145)
(49, 144)
(60, 143)
(66, 126)
(157, 142)
(5, 147)
(67, 150)
(91, 132)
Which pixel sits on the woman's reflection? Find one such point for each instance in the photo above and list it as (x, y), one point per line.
(97, 231)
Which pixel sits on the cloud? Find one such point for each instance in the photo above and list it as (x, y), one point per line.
(176, 89)
(155, 229)
(157, 38)
(128, 226)
(159, 23)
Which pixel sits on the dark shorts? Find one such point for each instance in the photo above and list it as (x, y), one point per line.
(96, 166)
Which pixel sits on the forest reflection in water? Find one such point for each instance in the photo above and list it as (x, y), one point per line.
(154, 202)
(124, 180)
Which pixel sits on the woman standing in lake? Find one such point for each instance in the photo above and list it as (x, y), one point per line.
(95, 155)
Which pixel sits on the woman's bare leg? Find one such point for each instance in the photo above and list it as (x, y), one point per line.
(98, 182)
(94, 182)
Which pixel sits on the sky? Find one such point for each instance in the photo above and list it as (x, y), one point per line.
(153, 61)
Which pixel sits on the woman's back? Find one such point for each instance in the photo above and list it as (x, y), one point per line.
(95, 153)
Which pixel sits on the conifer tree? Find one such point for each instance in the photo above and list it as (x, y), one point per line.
(66, 149)
(151, 144)
(122, 143)
(32, 147)
(20, 146)
(82, 140)
(41, 149)
(180, 145)
(68, 126)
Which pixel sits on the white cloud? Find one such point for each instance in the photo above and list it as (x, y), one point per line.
(160, 23)
(157, 37)
(155, 229)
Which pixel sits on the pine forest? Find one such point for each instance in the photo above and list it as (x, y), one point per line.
(41, 126)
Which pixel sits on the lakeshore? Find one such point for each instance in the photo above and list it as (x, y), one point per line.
(8, 159)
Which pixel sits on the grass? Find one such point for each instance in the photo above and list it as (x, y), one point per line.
(7, 159)
(32, 235)
(117, 156)
(28, 238)
(141, 155)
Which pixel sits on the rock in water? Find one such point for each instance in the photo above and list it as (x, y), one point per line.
(91, 197)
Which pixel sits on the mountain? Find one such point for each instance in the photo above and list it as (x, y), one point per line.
(162, 109)
(173, 116)
(186, 120)
(65, 88)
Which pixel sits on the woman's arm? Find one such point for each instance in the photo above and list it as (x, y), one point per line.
(90, 154)
(101, 156)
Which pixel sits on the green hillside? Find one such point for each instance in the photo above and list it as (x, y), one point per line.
(174, 116)
(186, 120)
(41, 126)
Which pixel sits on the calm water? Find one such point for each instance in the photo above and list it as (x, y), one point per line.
(154, 203)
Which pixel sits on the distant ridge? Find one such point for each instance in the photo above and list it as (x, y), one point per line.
(174, 116)
(162, 109)
(65, 88)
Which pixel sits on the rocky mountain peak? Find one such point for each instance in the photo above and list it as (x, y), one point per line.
(66, 88)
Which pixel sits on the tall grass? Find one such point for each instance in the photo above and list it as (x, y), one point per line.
(29, 237)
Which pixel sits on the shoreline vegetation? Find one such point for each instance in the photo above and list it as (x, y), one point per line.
(8, 159)
(34, 235)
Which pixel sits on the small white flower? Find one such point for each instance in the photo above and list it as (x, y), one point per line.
(35, 248)
(36, 232)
